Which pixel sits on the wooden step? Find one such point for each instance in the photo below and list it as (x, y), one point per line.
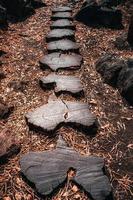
(62, 84)
(62, 24)
(62, 9)
(58, 34)
(63, 45)
(62, 15)
(49, 169)
(56, 113)
(56, 61)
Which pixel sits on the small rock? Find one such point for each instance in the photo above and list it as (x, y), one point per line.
(97, 16)
(2, 53)
(19, 8)
(4, 111)
(8, 145)
(125, 81)
(18, 85)
(109, 67)
(2, 75)
(121, 42)
(118, 73)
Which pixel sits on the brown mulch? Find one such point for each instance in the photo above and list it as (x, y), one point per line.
(25, 43)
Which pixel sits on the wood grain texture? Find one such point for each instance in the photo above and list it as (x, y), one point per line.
(50, 116)
(61, 83)
(62, 23)
(56, 61)
(63, 45)
(58, 34)
(47, 170)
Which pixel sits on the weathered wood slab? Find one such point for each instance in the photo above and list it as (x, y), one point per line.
(56, 61)
(52, 115)
(63, 45)
(61, 83)
(47, 170)
(58, 34)
(62, 23)
(61, 15)
(62, 9)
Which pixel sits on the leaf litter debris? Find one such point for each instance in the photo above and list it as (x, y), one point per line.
(24, 44)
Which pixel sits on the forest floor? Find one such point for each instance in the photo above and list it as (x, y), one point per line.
(25, 44)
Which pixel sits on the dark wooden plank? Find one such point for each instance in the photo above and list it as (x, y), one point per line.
(62, 15)
(61, 83)
(63, 45)
(62, 24)
(56, 61)
(58, 34)
(54, 114)
(47, 170)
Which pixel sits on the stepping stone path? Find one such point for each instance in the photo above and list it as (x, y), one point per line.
(62, 45)
(56, 113)
(61, 15)
(61, 24)
(49, 169)
(57, 34)
(62, 83)
(56, 61)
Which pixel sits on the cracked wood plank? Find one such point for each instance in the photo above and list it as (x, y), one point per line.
(57, 113)
(48, 170)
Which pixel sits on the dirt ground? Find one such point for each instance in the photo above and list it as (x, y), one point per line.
(25, 44)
